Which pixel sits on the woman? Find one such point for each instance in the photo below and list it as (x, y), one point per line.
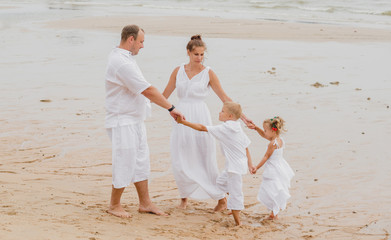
(193, 153)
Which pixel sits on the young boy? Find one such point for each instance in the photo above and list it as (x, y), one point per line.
(234, 145)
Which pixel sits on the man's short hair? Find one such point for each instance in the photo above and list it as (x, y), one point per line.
(130, 30)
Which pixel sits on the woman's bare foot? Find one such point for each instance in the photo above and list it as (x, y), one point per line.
(183, 203)
(118, 211)
(151, 208)
(221, 205)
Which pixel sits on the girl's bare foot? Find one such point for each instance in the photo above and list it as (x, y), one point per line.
(221, 205)
(272, 217)
(183, 203)
(151, 208)
(118, 211)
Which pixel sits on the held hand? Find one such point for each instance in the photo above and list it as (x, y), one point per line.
(179, 119)
(246, 121)
(249, 122)
(251, 125)
(250, 169)
(175, 114)
(253, 170)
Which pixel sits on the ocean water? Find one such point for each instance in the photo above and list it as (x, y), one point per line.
(361, 13)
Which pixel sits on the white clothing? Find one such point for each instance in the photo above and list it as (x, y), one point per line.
(130, 154)
(126, 110)
(233, 142)
(193, 153)
(124, 84)
(274, 190)
(232, 183)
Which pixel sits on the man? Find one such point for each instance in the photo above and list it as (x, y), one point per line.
(127, 106)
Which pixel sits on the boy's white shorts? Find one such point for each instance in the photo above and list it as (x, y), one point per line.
(130, 154)
(232, 183)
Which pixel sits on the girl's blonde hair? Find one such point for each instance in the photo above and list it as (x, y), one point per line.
(276, 124)
(234, 108)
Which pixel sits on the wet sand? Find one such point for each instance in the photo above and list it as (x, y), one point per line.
(55, 171)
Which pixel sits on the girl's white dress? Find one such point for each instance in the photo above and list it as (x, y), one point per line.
(274, 190)
(193, 152)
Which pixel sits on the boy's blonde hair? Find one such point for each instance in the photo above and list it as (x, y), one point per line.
(276, 124)
(234, 108)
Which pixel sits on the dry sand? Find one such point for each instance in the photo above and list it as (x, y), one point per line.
(230, 28)
(55, 169)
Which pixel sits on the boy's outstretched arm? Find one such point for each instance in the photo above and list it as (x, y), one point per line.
(195, 126)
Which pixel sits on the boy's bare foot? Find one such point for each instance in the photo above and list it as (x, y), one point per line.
(183, 203)
(236, 215)
(221, 205)
(151, 208)
(118, 211)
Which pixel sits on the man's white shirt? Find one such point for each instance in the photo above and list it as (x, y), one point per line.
(124, 84)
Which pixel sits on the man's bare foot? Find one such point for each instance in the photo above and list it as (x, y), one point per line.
(151, 208)
(118, 211)
(221, 205)
(183, 203)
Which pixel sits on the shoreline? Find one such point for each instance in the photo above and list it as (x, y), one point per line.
(56, 156)
(229, 28)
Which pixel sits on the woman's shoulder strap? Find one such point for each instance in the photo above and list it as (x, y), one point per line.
(181, 67)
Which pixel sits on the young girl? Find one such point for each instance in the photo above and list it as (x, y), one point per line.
(274, 190)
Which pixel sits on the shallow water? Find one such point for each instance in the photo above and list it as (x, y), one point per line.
(368, 13)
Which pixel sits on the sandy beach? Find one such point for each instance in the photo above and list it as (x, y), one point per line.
(330, 83)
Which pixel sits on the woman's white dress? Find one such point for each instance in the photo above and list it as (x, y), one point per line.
(193, 152)
(276, 178)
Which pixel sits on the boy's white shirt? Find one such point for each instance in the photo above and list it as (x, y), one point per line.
(233, 142)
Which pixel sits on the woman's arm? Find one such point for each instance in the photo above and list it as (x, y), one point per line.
(218, 89)
(246, 121)
(171, 84)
